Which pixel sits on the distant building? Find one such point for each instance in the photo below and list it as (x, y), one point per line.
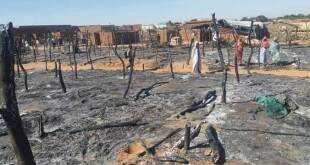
(148, 27)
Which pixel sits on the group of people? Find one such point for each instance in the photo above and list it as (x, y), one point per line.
(274, 48)
(238, 46)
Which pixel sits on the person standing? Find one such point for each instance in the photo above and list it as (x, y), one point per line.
(196, 58)
(263, 51)
(275, 51)
(239, 50)
(128, 55)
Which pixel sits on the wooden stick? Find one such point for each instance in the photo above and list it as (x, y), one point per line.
(210, 96)
(134, 122)
(221, 59)
(45, 56)
(63, 86)
(101, 58)
(56, 69)
(131, 71)
(41, 132)
(187, 137)
(268, 132)
(165, 138)
(148, 89)
(170, 57)
(75, 47)
(118, 56)
(236, 69)
(171, 159)
(180, 144)
(250, 44)
(23, 69)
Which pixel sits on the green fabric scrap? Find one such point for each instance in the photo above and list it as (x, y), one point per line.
(274, 107)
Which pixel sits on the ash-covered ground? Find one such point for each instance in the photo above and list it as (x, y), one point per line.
(96, 97)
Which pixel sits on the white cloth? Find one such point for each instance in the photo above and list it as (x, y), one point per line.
(262, 55)
(196, 60)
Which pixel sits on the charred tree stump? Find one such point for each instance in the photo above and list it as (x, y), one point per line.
(62, 83)
(41, 132)
(170, 57)
(180, 144)
(251, 47)
(187, 137)
(218, 45)
(56, 70)
(10, 114)
(131, 71)
(218, 153)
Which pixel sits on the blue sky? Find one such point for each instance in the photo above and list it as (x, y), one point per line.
(91, 12)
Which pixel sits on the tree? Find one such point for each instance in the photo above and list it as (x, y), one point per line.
(262, 18)
(10, 111)
(244, 19)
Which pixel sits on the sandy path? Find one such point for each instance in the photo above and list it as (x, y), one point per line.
(179, 67)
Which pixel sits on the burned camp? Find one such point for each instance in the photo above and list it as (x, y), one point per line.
(154, 82)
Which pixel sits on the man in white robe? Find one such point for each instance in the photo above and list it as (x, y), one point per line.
(196, 58)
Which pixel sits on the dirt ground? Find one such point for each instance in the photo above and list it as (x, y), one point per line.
(96, 97)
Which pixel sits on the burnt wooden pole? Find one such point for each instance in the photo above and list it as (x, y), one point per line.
(62, 83)
(56, 70)
(18, 56)
(170, 57)
(33, 45)
(236, 68)
(75, 47)
(187, 137)
(142, 44)
(251, 47)
(16, 59)
(45, 56)
(235, 34)
(116, 53)
(204, 41)
(218, 45)
(86, 46)
(10, 111)
(50, 48)
(88, 52)
(131, 71)
(41, 131)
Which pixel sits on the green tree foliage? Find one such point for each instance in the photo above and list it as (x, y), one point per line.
(262, 18)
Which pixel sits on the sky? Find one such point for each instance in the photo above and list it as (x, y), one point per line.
(121, 12)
